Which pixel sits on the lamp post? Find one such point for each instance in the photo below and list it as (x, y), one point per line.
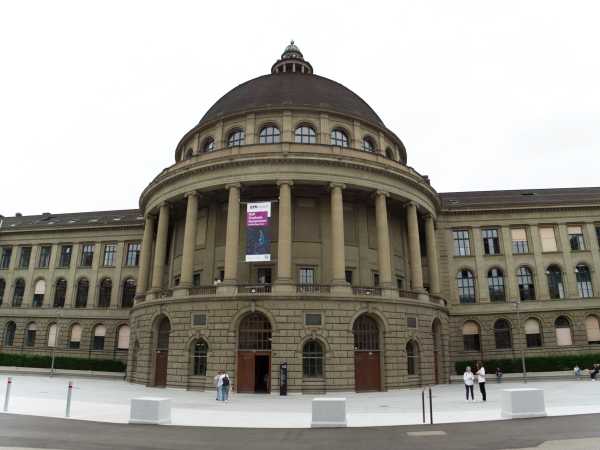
(523, 367)
(58, 316)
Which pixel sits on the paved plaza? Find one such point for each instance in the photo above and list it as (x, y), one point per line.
(108, 401)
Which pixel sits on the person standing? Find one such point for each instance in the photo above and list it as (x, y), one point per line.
(218, 380)
(577, 371)
(481, 380)
(468, 377)
(225, 382)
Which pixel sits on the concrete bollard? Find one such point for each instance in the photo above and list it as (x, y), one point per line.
(522, 403)
(328, 412)
(69, 390)
(7, 396)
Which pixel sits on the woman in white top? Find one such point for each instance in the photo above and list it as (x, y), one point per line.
(469, 379)
(481, 380)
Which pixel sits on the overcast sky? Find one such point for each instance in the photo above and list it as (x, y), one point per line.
(94, 96)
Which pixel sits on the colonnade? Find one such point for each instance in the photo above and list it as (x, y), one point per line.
(284, 243)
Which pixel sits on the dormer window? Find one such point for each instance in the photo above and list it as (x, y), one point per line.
(305, 135)
(339, 138)
(236, 138)
(209, 145)
(368, 145)
(269, 135)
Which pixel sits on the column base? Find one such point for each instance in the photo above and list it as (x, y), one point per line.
(284, 287)
(226, 289)
(340, 288)
(389, 292)
(181, 291)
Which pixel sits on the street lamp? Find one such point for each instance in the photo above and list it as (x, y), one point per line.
(523, 367)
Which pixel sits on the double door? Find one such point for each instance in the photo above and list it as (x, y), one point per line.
(254, 372)
(367, 371)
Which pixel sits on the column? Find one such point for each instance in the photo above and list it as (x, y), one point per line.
(189, 242)
(284, 239)
(416, 272)
(160, 249)
(145, 257)
(338, 257)
(232, 238)
(383, 239)
(432, 255)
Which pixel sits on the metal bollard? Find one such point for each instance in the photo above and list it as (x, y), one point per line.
(430, 408)
(69, 390)
(423, 403)
(7, 397)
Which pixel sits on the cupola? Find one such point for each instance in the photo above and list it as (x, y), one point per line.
(292, 61)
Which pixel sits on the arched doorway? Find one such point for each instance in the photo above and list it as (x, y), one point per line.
(161, 352)
(436, 331)
(254, 354)
(367, 363)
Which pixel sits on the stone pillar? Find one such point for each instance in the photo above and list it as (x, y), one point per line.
(383, 240)
(145, 257)
(432, 255)
(284, 240)
(189, 244)
(232, 238)
(416, 272)
(338, 256)
(160, 250)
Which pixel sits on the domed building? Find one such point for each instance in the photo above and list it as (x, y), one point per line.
(290, 232)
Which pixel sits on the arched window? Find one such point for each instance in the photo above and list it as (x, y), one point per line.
(412, 358)
(525, 282)
(189, 153)
(496, 285)
(312, 359)
(389, 153)
(83, 287)
(39, 291)
(18, 293)
(105, 293)
(564, 334)
(98, 337)
(164, 331)
(52, 335)
(366, 334)
(209, 145)
(75, 336)
(30, 333)
(584, 281)
(255, 332)
(305, 135)
(339, 138)
(128, 293)
(592, 327)
(466, 286)
(533, 333)
(555, 282)
(123, 337)
(502, 334)
(368, 145)
(9, 334)
(200, 358)
(60, 293)
(269, 135)
(470, 333)
(236, 138)
(2, 288)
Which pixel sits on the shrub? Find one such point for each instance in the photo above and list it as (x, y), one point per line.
(61, 362)
(534, 363)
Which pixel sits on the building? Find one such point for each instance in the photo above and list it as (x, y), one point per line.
(374, 280)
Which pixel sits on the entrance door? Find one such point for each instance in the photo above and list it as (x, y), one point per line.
(262, 373)
(254, 372)
(367, 371)
(160, 367)
(245, 372)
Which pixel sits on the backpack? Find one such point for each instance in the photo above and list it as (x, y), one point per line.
(225, 380)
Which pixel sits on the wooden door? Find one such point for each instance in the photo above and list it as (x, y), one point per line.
(160, 367)
(245, 372)
(367, 371)
(436, 368)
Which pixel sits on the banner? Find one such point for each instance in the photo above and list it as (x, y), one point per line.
(258, 232)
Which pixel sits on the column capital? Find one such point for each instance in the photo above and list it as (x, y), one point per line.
(191, 194)
(380, 192)
(228, 186)
(410, 204)
(165, 204)
(337, 185)
(290, 183)
(428, 216)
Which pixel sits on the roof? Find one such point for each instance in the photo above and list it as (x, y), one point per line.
(124, 217)
(520, 198)
(288, 90)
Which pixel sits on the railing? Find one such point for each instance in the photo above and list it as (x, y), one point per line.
(312, 288)
(203, 290)
(254, 289)
(408, 294)
(362, 290)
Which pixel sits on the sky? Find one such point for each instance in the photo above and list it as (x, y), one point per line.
(95, 95)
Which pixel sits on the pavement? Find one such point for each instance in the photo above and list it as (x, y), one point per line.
(108, 401)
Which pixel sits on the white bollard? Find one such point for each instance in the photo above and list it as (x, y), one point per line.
(69, 390)
(522, 403)
(150, 410)
(328, 412)
(7, 396)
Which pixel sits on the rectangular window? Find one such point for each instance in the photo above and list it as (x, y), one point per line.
(399, 283)
(110, 252)
(598, 235)
(411, 322)
(576, 237)
(548, 238)
(462, 246)
(5, 257)
(65, 256)
(44, 260)
(199, 320)
(519, 240)
(263, 275)
(491, 243)
(313, 319)
(196, 279)
(133, 254)
(221, 274)
(306, 275)
(471, 343)
(87, 255)
(375, 278)
(348, 274)
(24, 257)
